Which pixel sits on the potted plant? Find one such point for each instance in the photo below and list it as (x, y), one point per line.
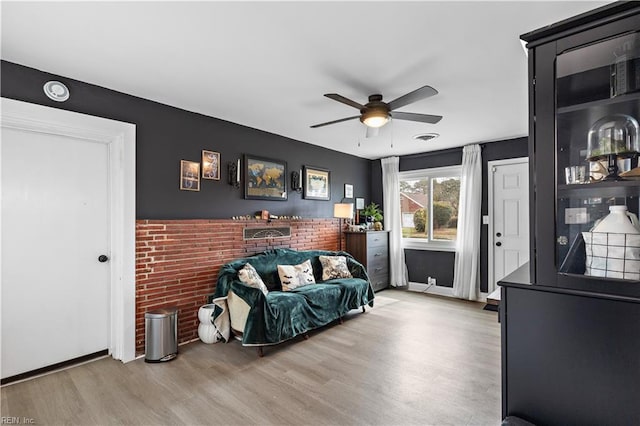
(373, 213)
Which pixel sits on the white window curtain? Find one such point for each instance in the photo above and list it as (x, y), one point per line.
(466, 278)
(393, 220)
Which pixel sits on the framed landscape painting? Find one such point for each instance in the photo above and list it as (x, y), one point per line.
(317, 183)
(264, 178)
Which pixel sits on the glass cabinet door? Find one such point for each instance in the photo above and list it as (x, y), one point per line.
(597, 114)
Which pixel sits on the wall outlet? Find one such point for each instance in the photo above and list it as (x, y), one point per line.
(431, 281)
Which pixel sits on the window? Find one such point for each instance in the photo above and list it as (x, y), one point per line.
(429, 202)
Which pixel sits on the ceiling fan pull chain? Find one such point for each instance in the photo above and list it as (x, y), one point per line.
(391, 131)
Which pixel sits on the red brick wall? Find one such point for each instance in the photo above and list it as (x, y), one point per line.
(177, 261)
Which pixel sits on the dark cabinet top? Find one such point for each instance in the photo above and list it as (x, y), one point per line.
(521, 276)
(580, 22)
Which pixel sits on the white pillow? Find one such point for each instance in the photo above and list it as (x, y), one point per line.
(294, 276)
(334, 267)
(250, 277)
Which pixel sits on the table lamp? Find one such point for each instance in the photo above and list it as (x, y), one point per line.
(342, 211)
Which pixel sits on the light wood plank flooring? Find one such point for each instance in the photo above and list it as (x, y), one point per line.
(412, 359)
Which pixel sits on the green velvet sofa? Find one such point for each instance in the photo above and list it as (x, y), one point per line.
(263, 320)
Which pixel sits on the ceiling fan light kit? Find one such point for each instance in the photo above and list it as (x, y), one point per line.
(375, 118)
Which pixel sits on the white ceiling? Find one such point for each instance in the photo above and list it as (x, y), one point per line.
(267, 64)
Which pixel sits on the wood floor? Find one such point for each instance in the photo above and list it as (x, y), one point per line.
(412, 359)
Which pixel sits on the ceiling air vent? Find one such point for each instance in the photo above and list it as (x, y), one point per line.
(426, 136)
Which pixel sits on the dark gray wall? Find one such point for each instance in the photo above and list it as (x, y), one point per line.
(165, 135)
(437, 264)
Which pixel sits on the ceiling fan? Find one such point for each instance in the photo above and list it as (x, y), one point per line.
(376, 113)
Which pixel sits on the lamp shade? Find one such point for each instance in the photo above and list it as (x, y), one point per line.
(343, 210)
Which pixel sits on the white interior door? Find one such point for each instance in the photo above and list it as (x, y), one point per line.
(509, 233)
(55, 225)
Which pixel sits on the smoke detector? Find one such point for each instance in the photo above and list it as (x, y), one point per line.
(425, 136)
(56, 91)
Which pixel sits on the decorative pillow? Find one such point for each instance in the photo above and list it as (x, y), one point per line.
(250, 277)
(294, 276)
(334, 267)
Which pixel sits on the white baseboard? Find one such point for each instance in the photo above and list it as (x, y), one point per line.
(431, 289)
(440, 291)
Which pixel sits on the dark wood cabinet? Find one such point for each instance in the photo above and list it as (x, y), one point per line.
(372, 250)
(571, 339)
(572, 78)
(569, 357)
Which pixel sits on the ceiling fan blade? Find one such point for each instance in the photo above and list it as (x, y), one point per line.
(411, 116)
(344, 100)
(411, 97)
(334, 121)
(372, 132)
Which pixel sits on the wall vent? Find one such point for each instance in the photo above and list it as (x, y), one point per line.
(270, 232)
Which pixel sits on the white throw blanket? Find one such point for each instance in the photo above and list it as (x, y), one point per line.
(221, 321)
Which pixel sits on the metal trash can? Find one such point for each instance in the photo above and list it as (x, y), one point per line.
(161, 335)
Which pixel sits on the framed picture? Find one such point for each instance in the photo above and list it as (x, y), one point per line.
(189, 175)
(264, 178)
(317, 183)
(348, 190)
(359, 203)
(210, 165)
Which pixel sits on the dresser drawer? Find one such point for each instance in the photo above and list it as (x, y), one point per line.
(378, 271)
(377, 239)
(377, 254)
(379, 280)
(377, 261)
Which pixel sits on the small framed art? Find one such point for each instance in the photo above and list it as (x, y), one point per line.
(317, 183)
(348, 190)
(189, 175)
(210, 165)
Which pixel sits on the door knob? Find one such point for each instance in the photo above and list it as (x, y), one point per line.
(498, 234)
(102, 258)
(498, 243)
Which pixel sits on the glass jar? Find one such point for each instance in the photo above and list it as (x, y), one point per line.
(615, 134)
